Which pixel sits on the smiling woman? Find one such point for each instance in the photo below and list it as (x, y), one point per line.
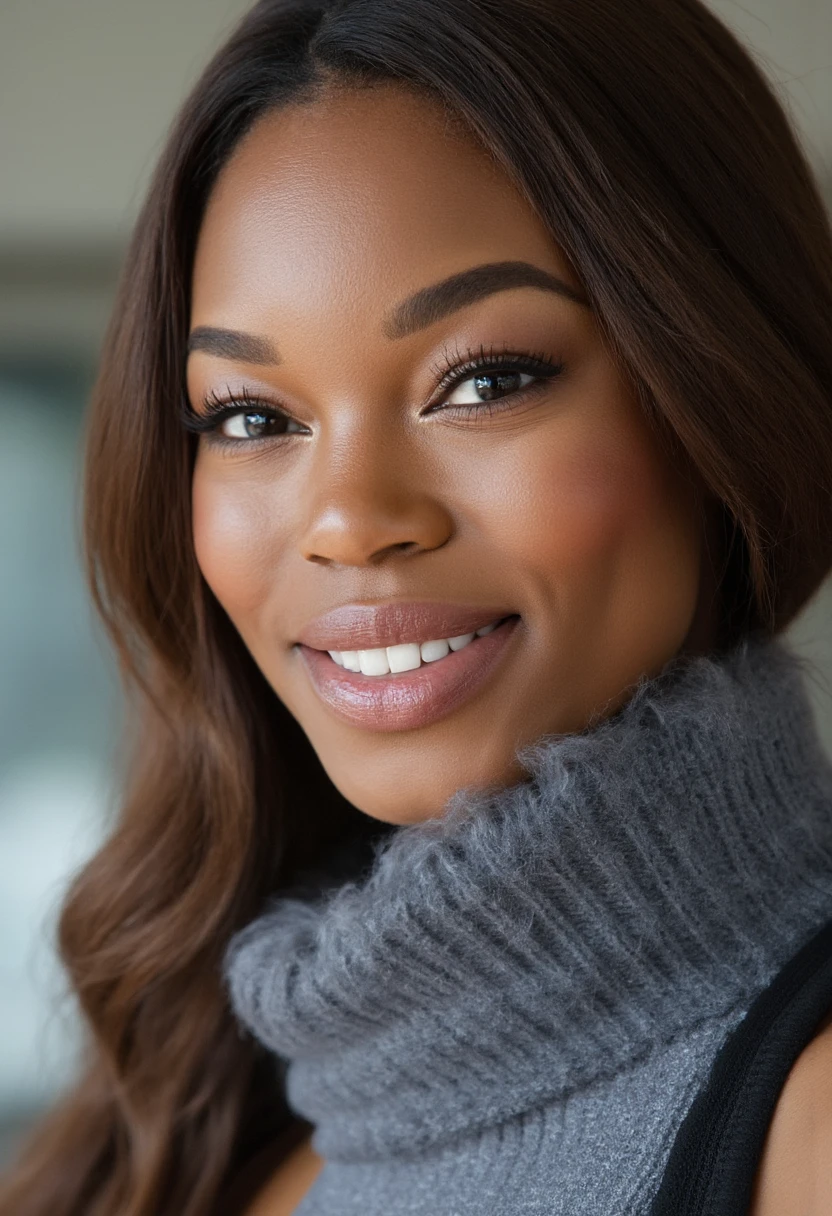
(458, 457)
(467, 443)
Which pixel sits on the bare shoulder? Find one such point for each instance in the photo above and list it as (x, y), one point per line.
(794, 1177)
(284, 1190)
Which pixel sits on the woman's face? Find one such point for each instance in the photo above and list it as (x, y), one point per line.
(416, 455)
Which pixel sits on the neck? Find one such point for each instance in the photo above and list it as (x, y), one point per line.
(649, 873)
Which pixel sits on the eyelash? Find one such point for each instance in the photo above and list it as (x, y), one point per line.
(218, 409)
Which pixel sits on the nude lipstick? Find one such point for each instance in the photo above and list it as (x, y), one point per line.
(436, 662)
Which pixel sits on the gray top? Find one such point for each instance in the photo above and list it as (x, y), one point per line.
(513, 1007)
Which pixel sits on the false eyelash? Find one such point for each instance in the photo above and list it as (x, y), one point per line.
(537, 364)
(452, 370)
(216, 409)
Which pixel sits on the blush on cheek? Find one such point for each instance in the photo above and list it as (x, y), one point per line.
(569, 506)
(607, 526)
(232, 543)
(627, 544)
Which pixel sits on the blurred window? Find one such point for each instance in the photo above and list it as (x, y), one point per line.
(59, 721)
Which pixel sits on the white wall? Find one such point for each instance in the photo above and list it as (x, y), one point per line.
(87, 90)
(88, 87)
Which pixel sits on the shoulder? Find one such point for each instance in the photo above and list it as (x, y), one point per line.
(289, 1183)
(794, 1177)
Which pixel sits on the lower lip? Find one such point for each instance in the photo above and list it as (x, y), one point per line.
(409, 699)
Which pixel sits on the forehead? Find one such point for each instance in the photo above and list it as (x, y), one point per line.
(350, 201)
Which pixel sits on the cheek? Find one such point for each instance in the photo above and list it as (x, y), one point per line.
(234, 541)
(602, 518)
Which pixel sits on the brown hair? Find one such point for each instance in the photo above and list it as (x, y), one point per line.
(663, 164)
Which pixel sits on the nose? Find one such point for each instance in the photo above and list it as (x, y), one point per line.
(369, 500)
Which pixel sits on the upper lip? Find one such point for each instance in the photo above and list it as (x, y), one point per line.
(373, 626)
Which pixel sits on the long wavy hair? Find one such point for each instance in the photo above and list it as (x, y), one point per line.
(662, 162)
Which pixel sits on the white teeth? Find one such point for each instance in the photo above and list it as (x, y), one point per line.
(405, 657)
(431, 651)
(461, 640)
(374, 662)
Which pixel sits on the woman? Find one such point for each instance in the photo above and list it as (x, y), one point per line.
(461, 448)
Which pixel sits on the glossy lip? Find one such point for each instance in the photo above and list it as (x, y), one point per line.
(373, 626)
(408, 700)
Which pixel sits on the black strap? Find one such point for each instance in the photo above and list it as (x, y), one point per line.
(714, 1159)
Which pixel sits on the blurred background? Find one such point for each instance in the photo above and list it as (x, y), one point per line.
(87, 90)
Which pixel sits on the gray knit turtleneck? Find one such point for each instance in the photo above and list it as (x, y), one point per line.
(512, 1009)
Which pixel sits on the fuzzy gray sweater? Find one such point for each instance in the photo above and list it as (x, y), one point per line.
(513, 1007)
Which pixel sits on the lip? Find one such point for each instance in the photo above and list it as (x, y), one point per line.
(409, 700)
(372, 626)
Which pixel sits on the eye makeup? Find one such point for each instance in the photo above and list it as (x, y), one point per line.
(493, 372)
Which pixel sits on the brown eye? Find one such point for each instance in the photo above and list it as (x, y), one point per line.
(250, 424)
(488, 386)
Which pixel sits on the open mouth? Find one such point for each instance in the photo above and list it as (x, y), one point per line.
(388, 700)
(408, 656)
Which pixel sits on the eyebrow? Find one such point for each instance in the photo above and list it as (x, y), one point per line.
(431, 304)
(425, 307)
(233, 344)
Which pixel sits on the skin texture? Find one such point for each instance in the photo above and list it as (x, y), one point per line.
(794, 1177)
(563, 507)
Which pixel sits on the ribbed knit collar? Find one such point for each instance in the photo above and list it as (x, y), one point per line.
(651, 872)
